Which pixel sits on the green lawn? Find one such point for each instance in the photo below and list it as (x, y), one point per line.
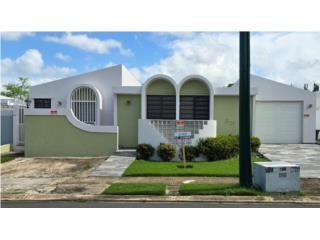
(136, 189)
(228, 167)
(7, 158)
(217, 189)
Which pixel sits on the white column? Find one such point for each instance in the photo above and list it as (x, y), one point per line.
(143, 104)
(115, 109)
(177, 105)
(211, 106)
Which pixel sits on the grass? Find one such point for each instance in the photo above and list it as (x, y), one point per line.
(7, 158)
(217, 189)
(223, 168)
(136, 189)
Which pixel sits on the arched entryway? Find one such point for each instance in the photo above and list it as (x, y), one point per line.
(159, 94)
(195, 98)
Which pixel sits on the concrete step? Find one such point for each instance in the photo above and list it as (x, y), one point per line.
(125, 152)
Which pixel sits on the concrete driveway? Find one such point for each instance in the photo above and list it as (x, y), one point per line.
(307, 156)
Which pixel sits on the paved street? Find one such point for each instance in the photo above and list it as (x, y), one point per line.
(307, 156)
(100, 204)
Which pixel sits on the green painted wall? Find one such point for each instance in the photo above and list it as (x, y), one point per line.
(226, 112)
(56, 136)
(194, 87)
(161, 87)
(129, 111)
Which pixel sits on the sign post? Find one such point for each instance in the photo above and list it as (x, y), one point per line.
(181, 139)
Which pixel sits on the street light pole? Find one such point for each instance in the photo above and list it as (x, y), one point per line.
(244, 111)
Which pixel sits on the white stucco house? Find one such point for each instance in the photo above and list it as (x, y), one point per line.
(96, 113)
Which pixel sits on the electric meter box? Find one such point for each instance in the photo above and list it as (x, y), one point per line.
(276, 176)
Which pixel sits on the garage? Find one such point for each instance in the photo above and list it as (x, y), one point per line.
(279, 122)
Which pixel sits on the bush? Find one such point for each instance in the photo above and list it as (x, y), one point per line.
(224, 147)
(166, 152)
(191, 152)
(255, 144)
(144, 151)
(219, 148)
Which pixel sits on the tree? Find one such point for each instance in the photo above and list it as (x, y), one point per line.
(315, 87)
(18, 90)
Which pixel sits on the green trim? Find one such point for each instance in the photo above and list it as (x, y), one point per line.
(161, 87)
(129, 111)
(194, 87)
(56, 136)
(226, 112)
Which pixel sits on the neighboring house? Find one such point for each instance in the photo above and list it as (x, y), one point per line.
(11, 123)
(96, 113)
(8, 102)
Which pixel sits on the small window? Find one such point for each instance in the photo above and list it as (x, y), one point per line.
(42, 103)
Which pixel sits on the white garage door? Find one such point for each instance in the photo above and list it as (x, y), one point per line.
(279, 122)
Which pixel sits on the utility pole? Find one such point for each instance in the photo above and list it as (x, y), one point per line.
(244, 112)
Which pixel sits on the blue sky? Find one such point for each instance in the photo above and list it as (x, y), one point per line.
(292, 58)
(145, 47)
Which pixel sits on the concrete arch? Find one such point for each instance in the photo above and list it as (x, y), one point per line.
(149, 81)
(206, 82)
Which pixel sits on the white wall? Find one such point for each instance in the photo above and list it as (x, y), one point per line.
(269, 90)
(104, 80)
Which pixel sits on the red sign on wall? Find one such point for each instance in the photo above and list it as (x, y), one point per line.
(180, 123)
(53, 112)
(306, 115)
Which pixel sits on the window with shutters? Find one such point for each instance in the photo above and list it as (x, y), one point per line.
(161, 107)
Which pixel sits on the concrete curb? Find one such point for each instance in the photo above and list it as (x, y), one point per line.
(127, 198)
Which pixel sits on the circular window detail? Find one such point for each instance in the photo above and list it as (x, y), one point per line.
(84, 105)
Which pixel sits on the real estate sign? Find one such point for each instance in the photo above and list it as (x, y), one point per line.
(183, 138)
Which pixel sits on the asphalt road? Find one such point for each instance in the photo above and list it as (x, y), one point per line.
(100, 204)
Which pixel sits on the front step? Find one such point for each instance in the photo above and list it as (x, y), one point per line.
(125, 152)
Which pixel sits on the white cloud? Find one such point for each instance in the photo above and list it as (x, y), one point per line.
(292, 58)
(110, 64)
(211, 55)
(61, 56)
(95, 45)
(31, 65)
(14, 36)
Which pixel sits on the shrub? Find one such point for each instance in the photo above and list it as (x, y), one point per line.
(144, 151)
(255, 144)
(224, 147)
(219, 148)
(191, 152)
(166, 152)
